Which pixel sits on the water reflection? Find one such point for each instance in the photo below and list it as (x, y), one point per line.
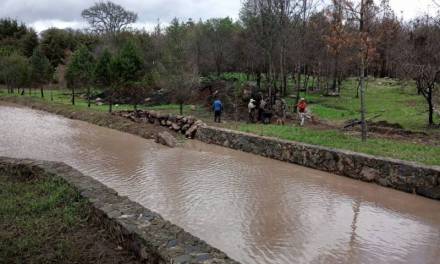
(255, 209)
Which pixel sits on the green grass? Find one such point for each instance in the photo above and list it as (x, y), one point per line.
(31, 216)
(331, 138)
(63, 97)
(383, 97)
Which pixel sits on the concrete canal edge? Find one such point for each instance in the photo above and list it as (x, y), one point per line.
(401, 175)
(146, 233)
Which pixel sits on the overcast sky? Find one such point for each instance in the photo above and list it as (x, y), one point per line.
(42, 14)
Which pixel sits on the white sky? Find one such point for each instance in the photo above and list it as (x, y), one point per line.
(413, 8)
(42, 14)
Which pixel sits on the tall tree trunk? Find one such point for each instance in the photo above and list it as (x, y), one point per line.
(259, 80)
(335, 75)
(110, 103)
(73, 96)
(181, 108)
(298, 87)
(88, 96)
(42, 91)
(363, 110)
(362, 74)
(431, 106)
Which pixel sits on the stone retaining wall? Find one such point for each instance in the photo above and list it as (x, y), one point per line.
(146, 233)
(186, 125)
(405, 176)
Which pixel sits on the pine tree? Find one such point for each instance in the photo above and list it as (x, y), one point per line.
(41, 70)
(80, 71)
(126, 72)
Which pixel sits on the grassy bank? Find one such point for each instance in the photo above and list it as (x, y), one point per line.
(46, 221)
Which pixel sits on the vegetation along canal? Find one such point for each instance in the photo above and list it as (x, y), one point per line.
(255, 209)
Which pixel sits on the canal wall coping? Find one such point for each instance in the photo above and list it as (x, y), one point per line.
(146, 233)
(401, 175)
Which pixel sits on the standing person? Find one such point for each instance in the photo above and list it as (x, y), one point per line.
(302, 110)
(217, 106)
(251, 107)
(280, 111)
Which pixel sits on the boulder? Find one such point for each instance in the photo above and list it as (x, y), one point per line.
(166, 139)
(185, 127)
(153, 114)
(175, 127)
(190, 133)
(172, 118)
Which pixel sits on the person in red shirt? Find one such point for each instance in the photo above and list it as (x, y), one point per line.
(302, 110)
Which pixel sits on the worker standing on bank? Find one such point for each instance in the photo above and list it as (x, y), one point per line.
(302, 110)
(217, 106)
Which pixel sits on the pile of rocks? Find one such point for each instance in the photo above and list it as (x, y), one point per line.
(186, 125)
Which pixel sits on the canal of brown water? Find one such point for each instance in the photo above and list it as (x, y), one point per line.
(257, 210)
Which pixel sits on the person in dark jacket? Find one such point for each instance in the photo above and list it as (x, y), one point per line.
(217, 106)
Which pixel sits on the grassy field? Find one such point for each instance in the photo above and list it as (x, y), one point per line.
(63, 97)
(395, 104)
(45, 221)
(385, 97)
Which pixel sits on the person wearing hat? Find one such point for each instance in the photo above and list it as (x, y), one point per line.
(302, 110)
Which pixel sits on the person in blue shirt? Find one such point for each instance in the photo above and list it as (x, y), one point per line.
(217, 106)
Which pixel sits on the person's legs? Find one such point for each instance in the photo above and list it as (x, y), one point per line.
(302, 118)
(216, 116)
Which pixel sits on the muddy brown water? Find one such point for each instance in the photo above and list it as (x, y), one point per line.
(257, 210)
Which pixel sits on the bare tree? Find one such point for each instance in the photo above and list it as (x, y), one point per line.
(362, 12)
(108, 18)
(422, 59)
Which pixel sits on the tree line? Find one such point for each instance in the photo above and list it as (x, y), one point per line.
(284, 46)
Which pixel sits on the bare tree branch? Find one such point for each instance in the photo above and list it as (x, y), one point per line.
(108, 18)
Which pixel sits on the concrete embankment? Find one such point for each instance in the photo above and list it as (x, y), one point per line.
(147, 234)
